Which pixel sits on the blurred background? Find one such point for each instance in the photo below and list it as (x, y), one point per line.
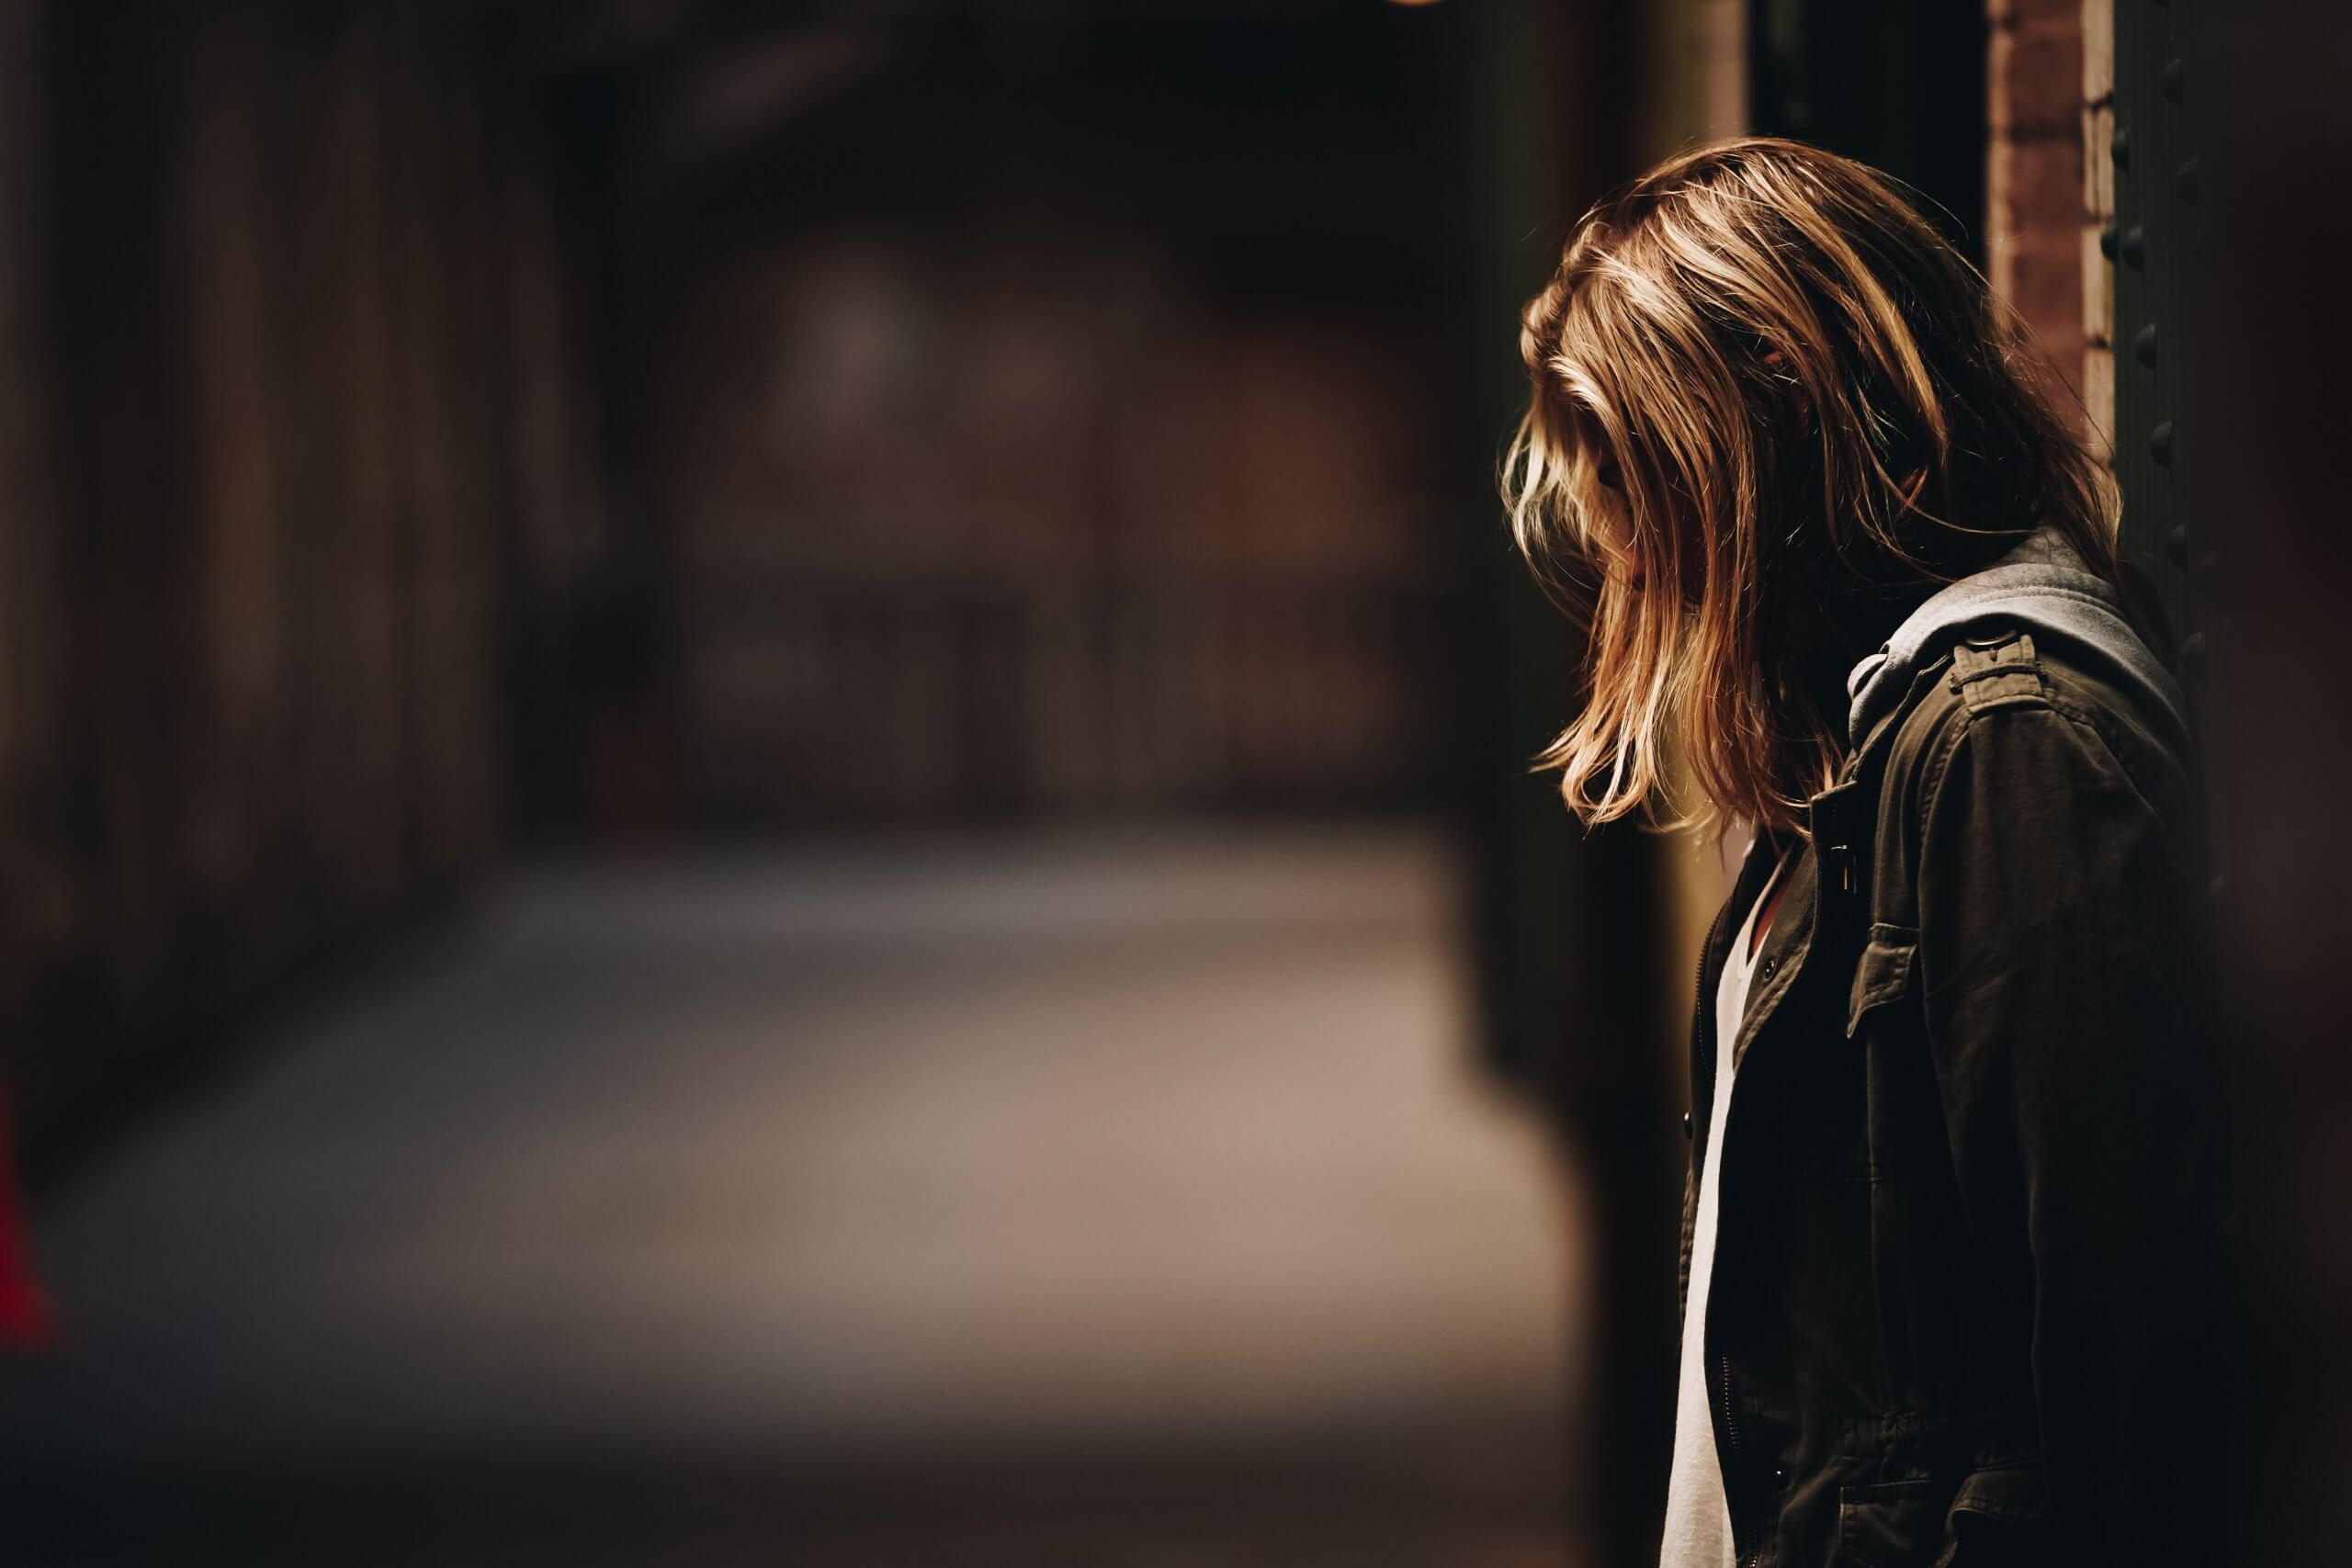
(764, 778)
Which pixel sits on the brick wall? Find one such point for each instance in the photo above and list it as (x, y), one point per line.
(2048, 185)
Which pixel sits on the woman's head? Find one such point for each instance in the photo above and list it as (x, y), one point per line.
(1772, 408)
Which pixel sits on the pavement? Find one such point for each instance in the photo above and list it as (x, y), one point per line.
(1114, 1197)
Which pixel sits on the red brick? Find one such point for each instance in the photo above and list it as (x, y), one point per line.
(2036, 184)
(2029, 15)
(2046, 288)
(2036, 82)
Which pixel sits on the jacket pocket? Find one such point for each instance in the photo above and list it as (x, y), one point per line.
(1894, 1524)
(1997, 1517)
(1882, 975)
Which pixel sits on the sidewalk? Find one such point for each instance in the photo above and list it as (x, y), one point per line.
(864, 1195)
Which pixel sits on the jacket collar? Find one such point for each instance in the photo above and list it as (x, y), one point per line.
(1827, 886)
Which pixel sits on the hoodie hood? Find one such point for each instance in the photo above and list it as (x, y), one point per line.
(2041, 587)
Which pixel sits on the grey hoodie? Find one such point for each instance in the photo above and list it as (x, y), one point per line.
(2041, 587)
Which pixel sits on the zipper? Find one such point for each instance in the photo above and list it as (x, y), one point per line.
(1731, 1420)
(1731, 1442)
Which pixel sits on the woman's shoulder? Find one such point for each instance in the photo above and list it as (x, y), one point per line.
(2045, 711)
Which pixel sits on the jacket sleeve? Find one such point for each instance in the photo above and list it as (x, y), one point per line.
(2058, 940)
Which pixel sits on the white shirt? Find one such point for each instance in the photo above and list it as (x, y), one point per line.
(1698, 1516)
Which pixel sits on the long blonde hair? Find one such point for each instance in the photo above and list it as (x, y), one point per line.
(1772, 408)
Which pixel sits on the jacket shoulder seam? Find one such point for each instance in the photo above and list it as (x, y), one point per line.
(1953, 726)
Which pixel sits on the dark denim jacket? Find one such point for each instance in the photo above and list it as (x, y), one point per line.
(1962, 1308)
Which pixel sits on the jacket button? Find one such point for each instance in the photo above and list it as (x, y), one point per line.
(1771, 964)
(1686, 1126)
(1780, 1478)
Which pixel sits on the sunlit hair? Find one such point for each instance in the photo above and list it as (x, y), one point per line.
(1772, 407)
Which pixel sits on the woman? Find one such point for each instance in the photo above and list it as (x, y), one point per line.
(1952, 1204)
